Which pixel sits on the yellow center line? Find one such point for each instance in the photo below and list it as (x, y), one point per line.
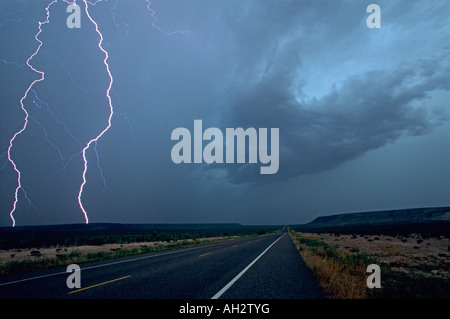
(205, 254)
(103, 283)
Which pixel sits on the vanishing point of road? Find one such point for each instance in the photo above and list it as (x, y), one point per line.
(264, 267)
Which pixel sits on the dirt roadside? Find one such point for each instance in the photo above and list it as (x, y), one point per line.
(429, 257)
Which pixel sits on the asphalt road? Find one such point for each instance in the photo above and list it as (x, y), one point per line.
(265, 267)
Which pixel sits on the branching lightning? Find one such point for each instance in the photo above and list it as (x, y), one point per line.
(19, 183)
(108, 90)
(39, 103)
(155, 20)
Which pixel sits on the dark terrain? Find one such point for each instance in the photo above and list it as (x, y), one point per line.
(430, 221)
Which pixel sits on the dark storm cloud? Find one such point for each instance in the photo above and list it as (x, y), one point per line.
(364, 106)
(366, 112)
(312, 68)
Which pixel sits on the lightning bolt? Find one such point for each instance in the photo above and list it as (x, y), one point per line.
(11, 142)
(38, 102)
(27, 116)
(155, 20)
(108, 90)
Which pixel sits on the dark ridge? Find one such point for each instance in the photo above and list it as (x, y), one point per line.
(429, 221)
(107, 233)
(116, 227)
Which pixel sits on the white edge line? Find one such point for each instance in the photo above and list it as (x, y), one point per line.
(228, 285)
(153, 255)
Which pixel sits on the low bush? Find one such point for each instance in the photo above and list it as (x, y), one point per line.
(343, 275)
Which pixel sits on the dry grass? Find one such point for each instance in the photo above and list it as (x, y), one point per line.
(31, 259)
(333, 277)
(412, 267)
(429, 257)
(340, 275)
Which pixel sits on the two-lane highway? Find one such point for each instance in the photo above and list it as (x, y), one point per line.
(261, 267)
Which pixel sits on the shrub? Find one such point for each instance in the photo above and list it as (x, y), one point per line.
(343, 275)
(339, 275)
(35, 253)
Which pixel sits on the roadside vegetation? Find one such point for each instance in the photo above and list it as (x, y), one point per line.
(70, 249)
(36, 262)
(28, 239)
(342, 274)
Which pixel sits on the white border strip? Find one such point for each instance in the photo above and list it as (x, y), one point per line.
(228, 285)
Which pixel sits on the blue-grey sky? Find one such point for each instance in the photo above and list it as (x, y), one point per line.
(363, 114)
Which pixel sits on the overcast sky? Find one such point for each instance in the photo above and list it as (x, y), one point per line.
(363, 114)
